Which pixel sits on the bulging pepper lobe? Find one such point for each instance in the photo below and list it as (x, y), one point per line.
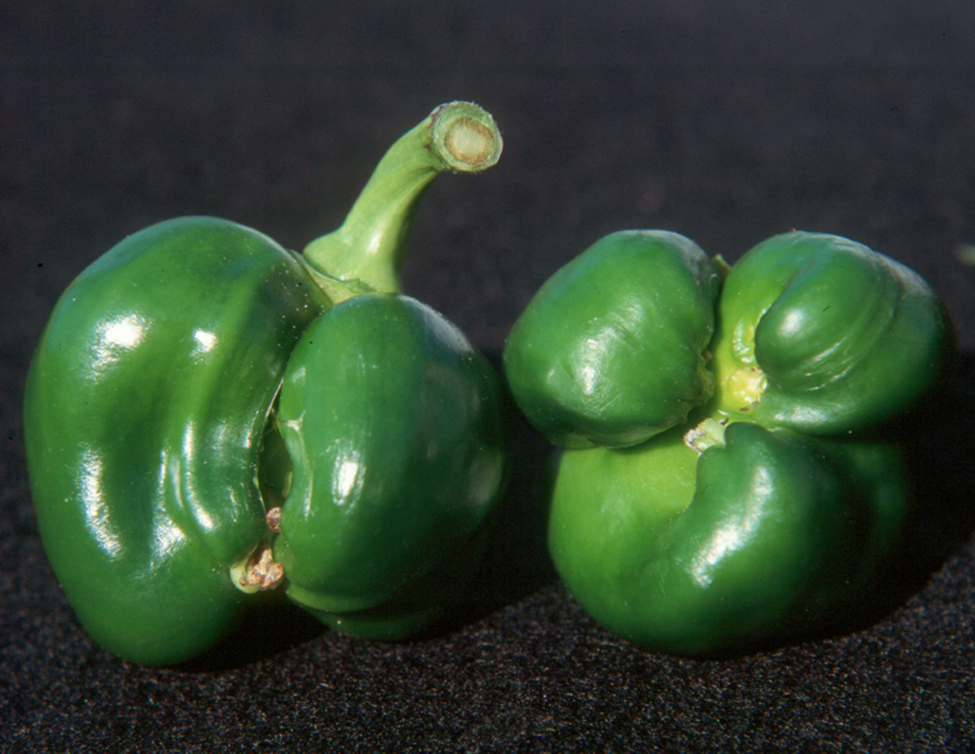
(612, 349)
(141, 453)
(822, 334)
(391, 419)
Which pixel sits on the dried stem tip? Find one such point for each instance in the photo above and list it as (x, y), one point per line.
(258, 572)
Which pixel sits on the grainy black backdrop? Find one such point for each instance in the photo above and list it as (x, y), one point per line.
(726, 121)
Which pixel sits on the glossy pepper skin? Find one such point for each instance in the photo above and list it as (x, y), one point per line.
(416, 457)
(769, 502)
(576, 357)
(209, 415)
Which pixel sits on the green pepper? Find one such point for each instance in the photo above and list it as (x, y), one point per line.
(735, 467)
(209, 415)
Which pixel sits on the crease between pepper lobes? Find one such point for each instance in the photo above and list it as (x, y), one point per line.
(677, 534)
(148, 413)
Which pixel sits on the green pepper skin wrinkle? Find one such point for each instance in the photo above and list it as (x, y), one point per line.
(152, 433)
(772, 512)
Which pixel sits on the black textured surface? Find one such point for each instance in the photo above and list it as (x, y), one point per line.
(726, 121)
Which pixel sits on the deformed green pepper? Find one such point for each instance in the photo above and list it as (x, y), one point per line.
(732, 475)
(209, 414)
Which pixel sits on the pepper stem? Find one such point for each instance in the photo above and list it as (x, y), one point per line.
(365, 253)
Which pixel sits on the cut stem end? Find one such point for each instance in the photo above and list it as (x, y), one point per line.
(465, 137)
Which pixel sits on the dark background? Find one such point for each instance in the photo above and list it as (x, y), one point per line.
(726, 121)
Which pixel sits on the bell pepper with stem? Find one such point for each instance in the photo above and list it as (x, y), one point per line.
(735, 471)
(209, 415)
